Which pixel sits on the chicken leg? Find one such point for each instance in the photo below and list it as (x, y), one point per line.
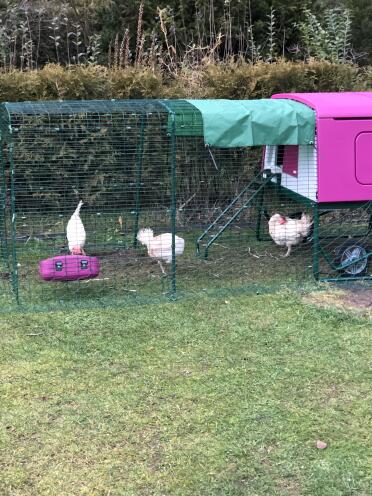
(288, 251)
(162, 268)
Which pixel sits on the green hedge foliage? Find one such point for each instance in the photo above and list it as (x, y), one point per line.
(238, 80)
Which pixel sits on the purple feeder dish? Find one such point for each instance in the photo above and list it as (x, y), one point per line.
(69, 268)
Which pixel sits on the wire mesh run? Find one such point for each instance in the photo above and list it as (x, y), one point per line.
(163, 214)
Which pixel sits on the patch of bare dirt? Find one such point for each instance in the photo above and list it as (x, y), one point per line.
(360, 298)
(289, 487)
(357, 300)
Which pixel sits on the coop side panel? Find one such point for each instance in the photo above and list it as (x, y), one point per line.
(363, 153)
(304, 180)
(118, 164)
(338, 181)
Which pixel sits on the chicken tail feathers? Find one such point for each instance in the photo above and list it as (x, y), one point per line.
(78, 208)
(75, 232)
(307, 222)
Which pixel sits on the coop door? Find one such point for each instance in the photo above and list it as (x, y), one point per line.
(282, 158)
(363, 158)
(290, 160)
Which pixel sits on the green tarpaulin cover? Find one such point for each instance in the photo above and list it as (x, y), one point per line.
(235, 123)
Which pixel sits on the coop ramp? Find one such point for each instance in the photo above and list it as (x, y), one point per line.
(247, 198)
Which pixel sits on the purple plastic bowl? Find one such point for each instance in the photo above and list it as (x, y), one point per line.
(69, 268)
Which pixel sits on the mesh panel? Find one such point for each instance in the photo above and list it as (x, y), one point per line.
(229, 215)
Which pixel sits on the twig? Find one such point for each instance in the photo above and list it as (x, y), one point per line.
(252, 254)
(116, 51)
(170, 48)
(140, 38)
(187, 202)
(96, 279)
(124, 49)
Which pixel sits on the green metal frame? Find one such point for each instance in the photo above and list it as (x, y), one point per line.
(318, 250)
(178, 120)
(9, 254)
(8, 250)
(173, 164)
(139, 160)
(319, 209)
(173, 202)
(3, 225)
(14, 277)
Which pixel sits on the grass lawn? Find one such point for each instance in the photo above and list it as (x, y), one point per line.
(199, 397)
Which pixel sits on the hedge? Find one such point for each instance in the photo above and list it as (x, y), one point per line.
(238, 80)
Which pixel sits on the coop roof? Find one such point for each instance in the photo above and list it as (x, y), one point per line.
(222, 123)
(237, 123)
(336, 105)
(83, 107)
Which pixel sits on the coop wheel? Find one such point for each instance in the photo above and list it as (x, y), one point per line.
(349, 251)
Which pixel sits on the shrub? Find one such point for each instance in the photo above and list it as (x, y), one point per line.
(233, 79)
(134, 82)
(261, 80)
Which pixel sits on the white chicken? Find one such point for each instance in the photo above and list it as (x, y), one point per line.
(289, 232)
(160, 247)
(75, 232)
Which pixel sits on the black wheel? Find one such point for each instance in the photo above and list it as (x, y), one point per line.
(349, 251)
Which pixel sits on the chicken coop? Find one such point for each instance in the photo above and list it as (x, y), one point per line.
(105, 202)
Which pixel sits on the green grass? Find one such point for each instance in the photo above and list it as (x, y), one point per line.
(209, 397)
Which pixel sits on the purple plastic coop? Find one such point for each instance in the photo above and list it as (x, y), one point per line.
(332, 174)
(339, 166)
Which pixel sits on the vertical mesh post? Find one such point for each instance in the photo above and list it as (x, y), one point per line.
(316, 241)
(3, 233)
(173, 201)
(139, 161)
(173, 204)
(13, 221)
